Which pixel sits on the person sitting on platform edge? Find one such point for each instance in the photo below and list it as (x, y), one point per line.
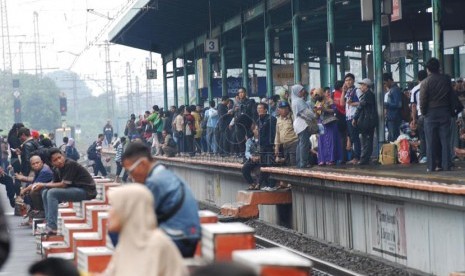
(42, 174)
(175, 205)
(72, 182)
(266, 125)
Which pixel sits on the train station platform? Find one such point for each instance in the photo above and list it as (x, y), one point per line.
(400, 213)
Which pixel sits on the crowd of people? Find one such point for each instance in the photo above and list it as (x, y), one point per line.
(318, 127)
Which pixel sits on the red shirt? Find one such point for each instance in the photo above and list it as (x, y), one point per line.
(337, 100)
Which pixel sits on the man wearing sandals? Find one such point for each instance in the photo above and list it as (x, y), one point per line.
(72, 182)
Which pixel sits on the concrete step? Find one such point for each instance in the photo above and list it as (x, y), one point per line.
(273, 261)
(248, 201)
(93, 259)
(219, 240)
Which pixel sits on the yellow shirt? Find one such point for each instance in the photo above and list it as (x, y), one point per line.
(285, 131)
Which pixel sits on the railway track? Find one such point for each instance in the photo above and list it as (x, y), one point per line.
(319, 268)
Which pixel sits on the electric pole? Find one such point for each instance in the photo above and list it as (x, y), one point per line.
(138, 109)
(109, 84)
(148, 92)
(6, 53)
(38, 58)
(129, 88)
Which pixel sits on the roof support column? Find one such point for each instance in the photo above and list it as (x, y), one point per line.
(324, 68)
(363, 53)
(186, 81)
(457, 62)
(402, 74)
(415, 61)
(175, 82)
(269, 61)
(245, 67)
(438, 42)
(426, 53)
(296, 41)
(196, 74)
(332, 60)
(165, 85)
(224, 72)
(378, 66)
(209, 78)
(342, 65)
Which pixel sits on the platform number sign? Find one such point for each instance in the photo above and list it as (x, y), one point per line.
(211, 45)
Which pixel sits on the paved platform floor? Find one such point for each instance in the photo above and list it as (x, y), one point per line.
(23, 252)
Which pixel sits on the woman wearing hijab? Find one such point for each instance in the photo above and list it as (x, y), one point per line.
(143, 249)
(303, 115)
(71, 151)
(329, 143)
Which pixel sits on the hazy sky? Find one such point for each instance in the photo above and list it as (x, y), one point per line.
(65, 29)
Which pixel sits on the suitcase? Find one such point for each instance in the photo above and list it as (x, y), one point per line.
(388, 154)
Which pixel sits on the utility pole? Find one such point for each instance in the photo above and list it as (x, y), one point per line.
(129, 88)
(138, 109)
(21, 58)
(38, 57)
(6, 53)
(109, 84)
(148, 92)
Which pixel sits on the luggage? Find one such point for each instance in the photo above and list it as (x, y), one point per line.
(388, 154)
(403, 152)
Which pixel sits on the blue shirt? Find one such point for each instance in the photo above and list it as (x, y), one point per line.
(393, 103)
(45, 175)
(211, 115)
(166, 188)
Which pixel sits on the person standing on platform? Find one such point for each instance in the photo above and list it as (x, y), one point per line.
(71, 151)
(108, 132)
(285, 135)
(351, 96)
(365, 119)
(175, 205)
(28, 146)
(435, 105)
(243, 119)
(302, 112)
(8, 182)
(329, 143)
(95, 153)
(211, 116)
(393, 105)
(224, 118)
(417, 117)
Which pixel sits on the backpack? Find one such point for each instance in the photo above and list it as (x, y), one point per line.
(405, 109)
(388, 154)
(92, 152)
(403, 152)
(74, 154)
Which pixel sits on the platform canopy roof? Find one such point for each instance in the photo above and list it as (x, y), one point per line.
(169, 27)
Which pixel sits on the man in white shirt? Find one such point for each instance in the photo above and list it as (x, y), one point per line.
(417, 118)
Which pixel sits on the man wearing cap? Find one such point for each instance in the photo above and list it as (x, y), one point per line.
(435, 105)
(365, 119)
(285, 135)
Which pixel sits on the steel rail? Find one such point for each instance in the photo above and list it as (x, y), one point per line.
(320, 267)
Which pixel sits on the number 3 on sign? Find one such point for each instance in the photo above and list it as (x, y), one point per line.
(211, 46)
